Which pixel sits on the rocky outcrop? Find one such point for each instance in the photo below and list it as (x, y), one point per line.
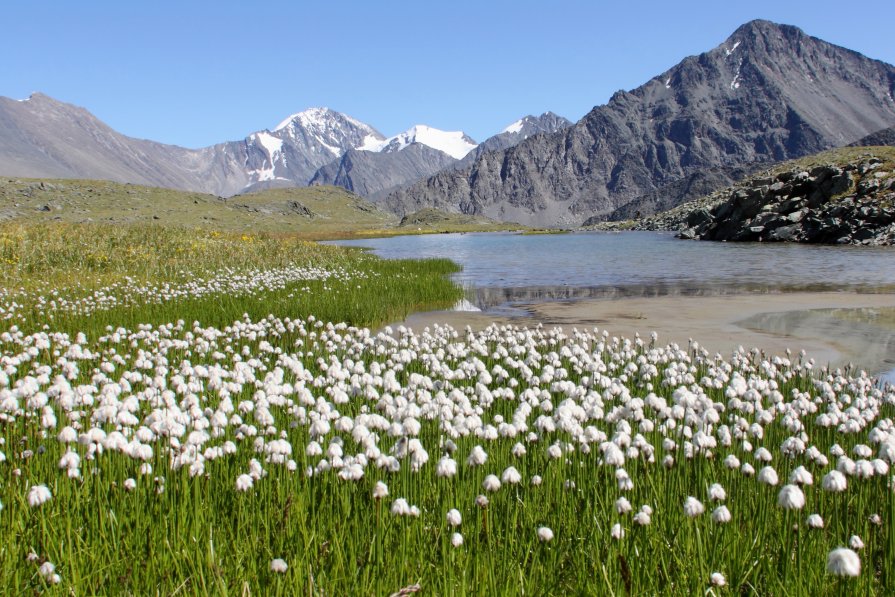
(852, 203)
(768, 93)
(879, 138)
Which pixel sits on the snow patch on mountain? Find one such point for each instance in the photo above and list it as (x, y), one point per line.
(271, 144)
(515, 127)
(454, 143)
(732, 50)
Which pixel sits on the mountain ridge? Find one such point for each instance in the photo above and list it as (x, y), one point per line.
(769, 92)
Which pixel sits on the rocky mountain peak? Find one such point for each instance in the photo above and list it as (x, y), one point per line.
(767, 93)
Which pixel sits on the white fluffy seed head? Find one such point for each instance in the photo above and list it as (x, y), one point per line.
(244, 482)
(39, 495)
(511, 476)
(278, 566)
(768, 476)
(721, 515)
(717, 493)
(491, 483)
(843, 562)
(617, 532)
(717, 579)
(545, 534)
(454, 518)
(791, 497)
(815, 521)
(456, 539)
(834, 481)
(380, 490)
(693, 507)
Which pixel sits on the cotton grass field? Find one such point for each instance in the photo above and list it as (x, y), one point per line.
(204, 413)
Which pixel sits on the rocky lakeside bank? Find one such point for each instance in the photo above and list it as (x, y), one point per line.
(844, 196)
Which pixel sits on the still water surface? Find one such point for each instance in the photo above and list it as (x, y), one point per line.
(503, 267)
(500, 269)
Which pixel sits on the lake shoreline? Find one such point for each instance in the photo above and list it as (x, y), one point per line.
(773, 322)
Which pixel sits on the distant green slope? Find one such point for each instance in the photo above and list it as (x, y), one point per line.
(317, 209)
(315, 212)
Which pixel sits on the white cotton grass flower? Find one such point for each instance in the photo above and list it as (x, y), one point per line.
(481, 501)
(855, 542)
(511, 476)
(400, 507)
(617, 532)
(834, 481)
(815, 521)
(643, 518)
(380, 490)
(717, 579)
(763, 455)
(130, 484)
(768, 476)
(48, 572)
(545, 534)
(693, 507)
(801, 476)
(278, 566)
(536, 480)
(717, 493)
(491, 483)
(39, 495)
(791, 497)
(446, 467)
(454, 518)
(623, 506)
(843, 562)
(477, 457)
(721, 515)
(456, 539)
(244, 482)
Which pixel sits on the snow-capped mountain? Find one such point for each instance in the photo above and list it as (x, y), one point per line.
(302, 143)
(334, 131)
(454, 143)
(43, 137)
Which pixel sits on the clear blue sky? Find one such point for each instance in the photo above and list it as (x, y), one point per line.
(199, 72)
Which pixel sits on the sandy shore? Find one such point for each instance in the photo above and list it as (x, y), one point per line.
(832, 327)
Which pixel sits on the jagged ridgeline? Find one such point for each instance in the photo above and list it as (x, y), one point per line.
(768, 93)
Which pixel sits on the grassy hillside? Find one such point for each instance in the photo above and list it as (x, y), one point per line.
(310, 212)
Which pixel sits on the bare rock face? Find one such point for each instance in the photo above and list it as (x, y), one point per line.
(375, 174)
(768, 93)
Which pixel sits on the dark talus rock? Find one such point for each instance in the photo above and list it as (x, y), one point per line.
(803, 206)
(746, 102)
(882, 137)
